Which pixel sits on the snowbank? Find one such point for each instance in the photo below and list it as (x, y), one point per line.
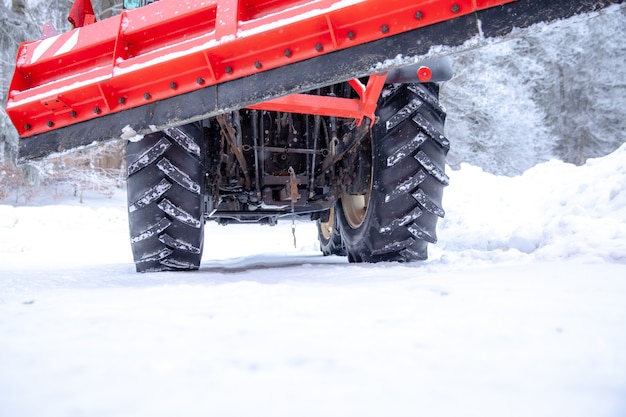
(553, 211)
(519, 312)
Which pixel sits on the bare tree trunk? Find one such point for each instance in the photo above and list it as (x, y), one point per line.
(18, 6)
(109, 8)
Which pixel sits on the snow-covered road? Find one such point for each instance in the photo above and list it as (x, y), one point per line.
(520, 311)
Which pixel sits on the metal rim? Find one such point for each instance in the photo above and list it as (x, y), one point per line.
(355, 208)
(326, 228)
(355, 205)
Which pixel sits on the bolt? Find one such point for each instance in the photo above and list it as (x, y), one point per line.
(351, 35)
(96, 110)
(384, 28)
(419, 15)
(121, 100)
(455, 8)
(258, 65)
(50, 123)
(228, 69)
(319, 47)
(288, 52)
(73, 114)
(173, 85)
(147, 96)
(200, 80)
(27, 126)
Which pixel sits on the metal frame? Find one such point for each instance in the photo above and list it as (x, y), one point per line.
(364, 106)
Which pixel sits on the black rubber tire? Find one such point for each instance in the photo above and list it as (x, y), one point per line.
(408, 162)
(166, 199)
(329, 235)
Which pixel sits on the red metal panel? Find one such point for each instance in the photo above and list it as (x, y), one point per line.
(81, 14)
(310, 104)
(175, 46)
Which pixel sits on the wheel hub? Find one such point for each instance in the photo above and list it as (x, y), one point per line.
(355, 204)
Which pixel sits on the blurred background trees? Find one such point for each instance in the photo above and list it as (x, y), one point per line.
(559, 92)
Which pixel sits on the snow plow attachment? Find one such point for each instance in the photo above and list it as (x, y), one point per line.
(173, 62)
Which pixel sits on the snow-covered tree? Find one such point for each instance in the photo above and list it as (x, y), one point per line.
(556, 93)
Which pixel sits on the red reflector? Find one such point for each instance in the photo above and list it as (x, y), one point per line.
(424, 74)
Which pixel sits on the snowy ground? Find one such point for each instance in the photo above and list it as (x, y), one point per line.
(521, 311)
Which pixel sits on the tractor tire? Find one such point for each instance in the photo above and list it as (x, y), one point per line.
(166, 199)
(328, 234)
(396, 218)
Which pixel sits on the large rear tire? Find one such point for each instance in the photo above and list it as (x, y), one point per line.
(404, 159)
(166, 199)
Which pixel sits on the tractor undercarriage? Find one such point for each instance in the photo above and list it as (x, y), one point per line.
(251, 110)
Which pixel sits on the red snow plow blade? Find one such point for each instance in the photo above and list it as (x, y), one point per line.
(168, 48)
(175, 61)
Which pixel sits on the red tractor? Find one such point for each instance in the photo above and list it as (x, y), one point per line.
(250, 110)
